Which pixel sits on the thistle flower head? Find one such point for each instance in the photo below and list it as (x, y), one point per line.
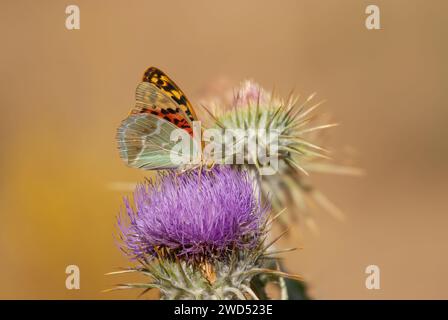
(197, 215)
(200, 235)
(297, 153)
(254, 108)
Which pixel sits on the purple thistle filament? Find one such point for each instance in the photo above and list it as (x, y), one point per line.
(194, 217)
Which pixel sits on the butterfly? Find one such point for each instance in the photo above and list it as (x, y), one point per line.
(161, 107)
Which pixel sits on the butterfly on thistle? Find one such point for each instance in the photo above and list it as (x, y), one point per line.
(161, 108)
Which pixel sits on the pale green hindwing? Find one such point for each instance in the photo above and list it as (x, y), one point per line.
(144, 142)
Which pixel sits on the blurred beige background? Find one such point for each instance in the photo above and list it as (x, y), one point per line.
(63, 94)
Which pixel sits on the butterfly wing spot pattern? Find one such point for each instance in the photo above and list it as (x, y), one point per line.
(165, 84)
(161, 107)
(150, 99)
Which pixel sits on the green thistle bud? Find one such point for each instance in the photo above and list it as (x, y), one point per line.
(253, 108)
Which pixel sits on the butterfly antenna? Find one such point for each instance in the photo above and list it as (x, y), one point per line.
(212, 116)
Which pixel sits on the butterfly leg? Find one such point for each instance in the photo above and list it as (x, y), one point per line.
(200, 171)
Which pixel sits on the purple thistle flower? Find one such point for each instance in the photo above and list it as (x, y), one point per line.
(194, 216)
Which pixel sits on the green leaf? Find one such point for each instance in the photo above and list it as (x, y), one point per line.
(295, 289)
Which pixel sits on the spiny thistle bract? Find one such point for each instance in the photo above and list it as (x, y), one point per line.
(254, 108)
(198, 235)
